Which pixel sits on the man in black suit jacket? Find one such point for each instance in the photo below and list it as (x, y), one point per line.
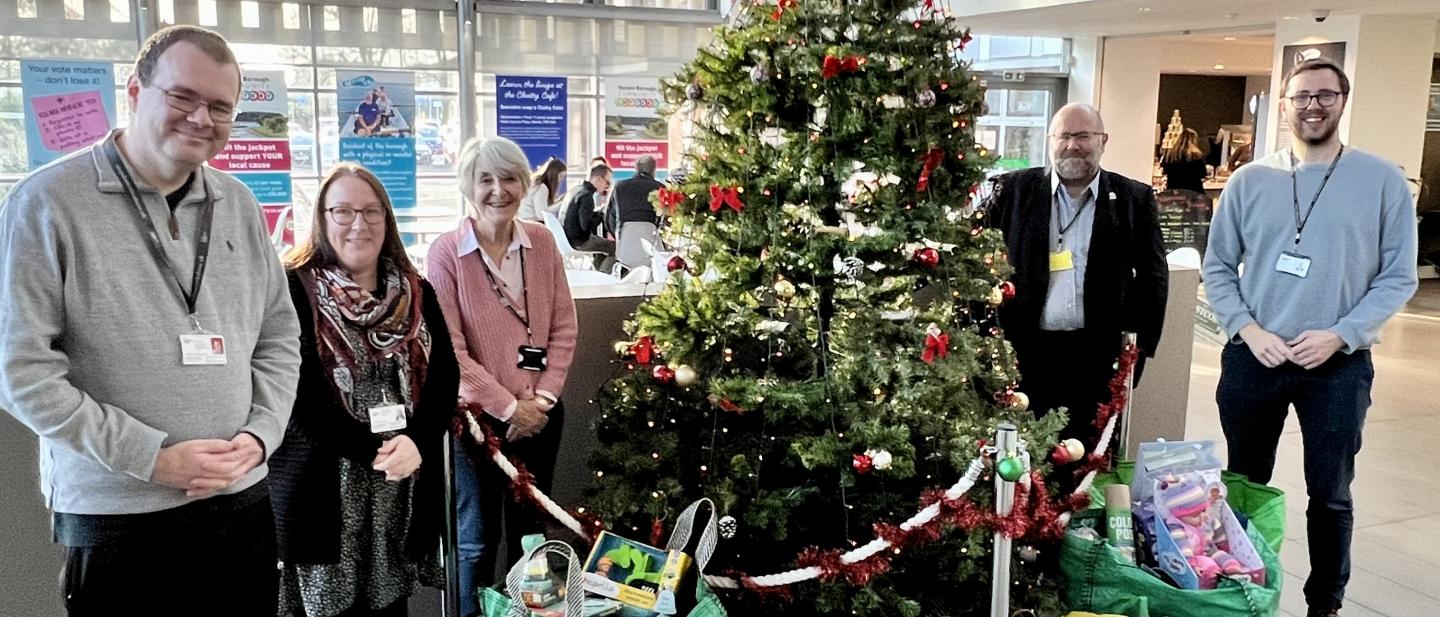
(1088, 265)
(630, 201)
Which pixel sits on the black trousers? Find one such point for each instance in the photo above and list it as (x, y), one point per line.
(211, 557)
(1330, 403)
(483, 497)
(1070, 370)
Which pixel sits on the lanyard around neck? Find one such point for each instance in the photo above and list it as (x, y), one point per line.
(505, 300)
(152, 237)
(1295, 191)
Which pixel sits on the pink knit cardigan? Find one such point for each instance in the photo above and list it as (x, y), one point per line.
(487, 336)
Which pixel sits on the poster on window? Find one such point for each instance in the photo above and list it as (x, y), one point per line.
(68, 106)
(633, 124)
(533, 112)
(1292, 55)
(258, 153)
(375, 109)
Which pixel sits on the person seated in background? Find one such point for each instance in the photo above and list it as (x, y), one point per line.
(584, 213)
(1184, 164)
(631, 200)
(358, 482)
(546, 188)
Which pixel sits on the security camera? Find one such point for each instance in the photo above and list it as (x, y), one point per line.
(1320, 15)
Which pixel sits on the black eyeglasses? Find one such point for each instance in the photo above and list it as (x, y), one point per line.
(220, 113)
(1083, 138)
(343, 215)
(1326, 98)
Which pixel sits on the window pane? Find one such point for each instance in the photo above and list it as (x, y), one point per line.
(166, 8)
(332, 18)
(329, 137)
(249, 14)
(208, 13)
(303, 149)
(1029, 103)
(407, 21)
(371, 18)
(120, 11)
(290, 16)
(75, 9)
(437, 129)
(13, 157)
(27, 9)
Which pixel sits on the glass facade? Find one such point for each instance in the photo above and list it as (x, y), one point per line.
(310, 41)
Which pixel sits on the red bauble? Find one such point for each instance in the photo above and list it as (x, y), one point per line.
(862, 463)
(927, 257)
(1007, 290)
(663, 374)
(676, 263)
(1060, 455)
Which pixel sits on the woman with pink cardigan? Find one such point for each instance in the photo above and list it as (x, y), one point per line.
(501, 283)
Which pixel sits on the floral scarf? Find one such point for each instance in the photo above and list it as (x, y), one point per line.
(392, 324)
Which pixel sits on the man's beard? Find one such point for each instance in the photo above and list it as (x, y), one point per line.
(1074, 167)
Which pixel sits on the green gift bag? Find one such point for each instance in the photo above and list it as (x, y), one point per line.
(1098, 579)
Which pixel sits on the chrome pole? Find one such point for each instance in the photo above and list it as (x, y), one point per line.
(1129, 341)
(1005, 446)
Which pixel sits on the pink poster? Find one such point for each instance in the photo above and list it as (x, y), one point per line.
(68, 122)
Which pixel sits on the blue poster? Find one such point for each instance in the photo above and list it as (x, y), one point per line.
(68, 106)
(531, 111)
(375, 109)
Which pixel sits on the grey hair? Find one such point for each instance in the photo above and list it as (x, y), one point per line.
(497, 155)
(645, 165)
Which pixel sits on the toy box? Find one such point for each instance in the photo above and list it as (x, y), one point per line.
(1168, 554)
(637, 574)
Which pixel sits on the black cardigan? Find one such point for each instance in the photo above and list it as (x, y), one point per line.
(305, 472)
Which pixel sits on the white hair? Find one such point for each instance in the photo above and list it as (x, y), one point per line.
(497, 155)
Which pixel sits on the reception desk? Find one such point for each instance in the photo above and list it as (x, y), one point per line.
(31, 562)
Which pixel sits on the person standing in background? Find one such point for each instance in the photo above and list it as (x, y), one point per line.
(1184, 164)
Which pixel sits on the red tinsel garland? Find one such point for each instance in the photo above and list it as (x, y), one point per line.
(1033, 518)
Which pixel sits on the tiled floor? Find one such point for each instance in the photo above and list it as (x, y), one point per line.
(1396, 552)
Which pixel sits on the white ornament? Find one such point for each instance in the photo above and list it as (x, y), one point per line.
(771, 326)
(850, 267)
(926, 98)
(892, 101)
(853, 32)
(728, 527)
(880, 459)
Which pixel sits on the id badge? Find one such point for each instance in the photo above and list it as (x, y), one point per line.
(385, 418)
(1061, 261)
(532, 358)
(1293, 263)
(202, 349)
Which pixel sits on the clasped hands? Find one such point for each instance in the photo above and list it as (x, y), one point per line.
(530, 416)
(1309, 350)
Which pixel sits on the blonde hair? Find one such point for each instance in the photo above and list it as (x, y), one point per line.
(1185, 148)
(497, 155)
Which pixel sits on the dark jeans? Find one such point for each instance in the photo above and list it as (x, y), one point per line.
(1071, 370)
(1330, 402)
(213, 557)
(483, 493)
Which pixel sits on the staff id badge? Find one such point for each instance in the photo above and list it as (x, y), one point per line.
(202, 349)
(387, 418)
(1293, 263)
(1061, 261)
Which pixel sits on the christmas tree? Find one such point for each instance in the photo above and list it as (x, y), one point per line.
(826, 354)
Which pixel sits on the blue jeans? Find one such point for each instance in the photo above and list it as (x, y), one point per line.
(483, 496)
(1330, 402)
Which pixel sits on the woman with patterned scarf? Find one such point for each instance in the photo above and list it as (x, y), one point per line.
(358, 483)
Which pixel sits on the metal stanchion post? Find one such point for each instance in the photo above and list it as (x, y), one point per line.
(1129, 341)
(1005, 445)
(451, 599)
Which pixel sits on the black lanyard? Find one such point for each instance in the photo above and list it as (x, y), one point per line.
(505, 300)
(1295, 192)
(1060, 240)
(147, 227)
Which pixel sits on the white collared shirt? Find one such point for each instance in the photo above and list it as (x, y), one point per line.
(509, 272)
(1065, 297)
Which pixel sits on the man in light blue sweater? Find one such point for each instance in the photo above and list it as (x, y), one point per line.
(1327, 236)
(148, 339)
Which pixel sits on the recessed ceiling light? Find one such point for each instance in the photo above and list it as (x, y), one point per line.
(1219, 67)
(1229, 38)
(1144, 9)
(1290, 18)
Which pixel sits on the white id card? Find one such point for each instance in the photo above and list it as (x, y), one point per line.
(202, 349)
(1293, 263)
(387, 418)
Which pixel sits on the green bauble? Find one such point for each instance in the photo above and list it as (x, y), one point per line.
(1010, 469)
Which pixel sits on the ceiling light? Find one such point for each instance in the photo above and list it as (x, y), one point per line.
(1229, 38)
(1290, 18)
(1219, 67)
(1144, 9)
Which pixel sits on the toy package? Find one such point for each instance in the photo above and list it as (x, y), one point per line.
(1197, 537)
(639, 575)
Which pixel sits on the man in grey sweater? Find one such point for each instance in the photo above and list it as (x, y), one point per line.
(1327, 236)
(156, 399)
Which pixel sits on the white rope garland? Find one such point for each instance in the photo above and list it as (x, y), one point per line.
(511, 472)
(870, 549)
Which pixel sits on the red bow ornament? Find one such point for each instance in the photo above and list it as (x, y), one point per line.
(725, 196)
(932, 160)
(643, 349)
(669, 199)
(833, 66)
(780, 8)
(937, 343)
